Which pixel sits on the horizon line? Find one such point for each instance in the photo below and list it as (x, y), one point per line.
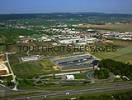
(63, 13)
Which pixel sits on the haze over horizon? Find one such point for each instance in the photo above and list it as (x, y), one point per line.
(71, 6)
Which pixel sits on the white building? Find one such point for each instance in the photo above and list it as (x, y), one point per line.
(91, 40)
(69, 77)
(30, 58)
(68, 41)
(45, 39)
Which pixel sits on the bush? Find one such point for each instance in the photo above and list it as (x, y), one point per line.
(102, 73)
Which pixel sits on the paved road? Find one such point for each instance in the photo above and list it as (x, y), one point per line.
(106, 88)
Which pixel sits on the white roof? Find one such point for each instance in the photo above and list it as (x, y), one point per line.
(70, 77)
(30, 58)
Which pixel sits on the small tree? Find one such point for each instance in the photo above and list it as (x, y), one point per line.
(102, 73)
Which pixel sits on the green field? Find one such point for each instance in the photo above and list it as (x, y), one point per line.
(123, 53)
(31, 69)
(9, 35)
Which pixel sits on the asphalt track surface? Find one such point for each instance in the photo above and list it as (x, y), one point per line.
(87, 90)
(78, 61)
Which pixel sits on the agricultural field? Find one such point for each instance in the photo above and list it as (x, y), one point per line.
(123, 53)
(119, 27)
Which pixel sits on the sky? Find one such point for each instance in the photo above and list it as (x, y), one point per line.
(50, 6)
